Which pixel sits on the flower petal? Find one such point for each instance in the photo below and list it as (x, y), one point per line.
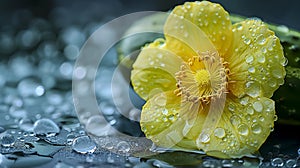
(256, 60)
(198, 27)
(159, 119)
(243, 127)
(153, 71)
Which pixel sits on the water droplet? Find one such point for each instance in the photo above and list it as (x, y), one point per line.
(277, 73)
(247, 41)
(204, 138)
(261, 118)
(250, 110)
(219, 132)
(261, 40)
(83, 145)
(243, 129)
(277, 162)
(272, 83)
(256, 128)
(291, 163)
(252, 89)
(244, 100)
(7, 140)
(261, 59)
(257, 106)
(239, 27)
(251, 70)
(275, 118)
(45, 127)
(165, 111)
(285, 62)
(123, 147)
(231, 107)
(249, 59)
(235, 120)
(110, 158)
(161, 100)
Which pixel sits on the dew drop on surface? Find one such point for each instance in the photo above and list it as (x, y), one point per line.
(123, 147)
(251, 70)
(204, 138)
(7, 140)
(239, 27)
(277, 162)
(219, 132)
(252, 89)
(45, 127)
(83, 145)
(243, 129)
(277, 73)
(291, 163)
(110, 158)
(165, 111)
(244, 100)
(256, 128)
(235, 120)
(257, 106)
(247, 41)
(161, 100)
(249, 59)
(261, 40)
(250, 110)
(261, 59)
(285, 62)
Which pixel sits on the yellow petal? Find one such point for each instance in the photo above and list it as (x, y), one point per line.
(159, 119)
(243, 127)
(256, 60)
(153, 71)
(198, 27)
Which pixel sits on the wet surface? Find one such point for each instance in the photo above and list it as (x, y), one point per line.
(38, 123)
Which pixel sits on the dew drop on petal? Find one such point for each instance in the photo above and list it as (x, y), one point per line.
(243, 129)
(235, 120)
(251, 70)
(256, 128)
(219, 132)
(252, 89)
(247, 41)
(257, 106)
(161, 100)
(250, 110)
(204, 138)
(261, 59)
(249, 59)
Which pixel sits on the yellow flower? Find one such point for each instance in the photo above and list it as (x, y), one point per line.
(208, 83)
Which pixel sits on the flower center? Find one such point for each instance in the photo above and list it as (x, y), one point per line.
(204, 77)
